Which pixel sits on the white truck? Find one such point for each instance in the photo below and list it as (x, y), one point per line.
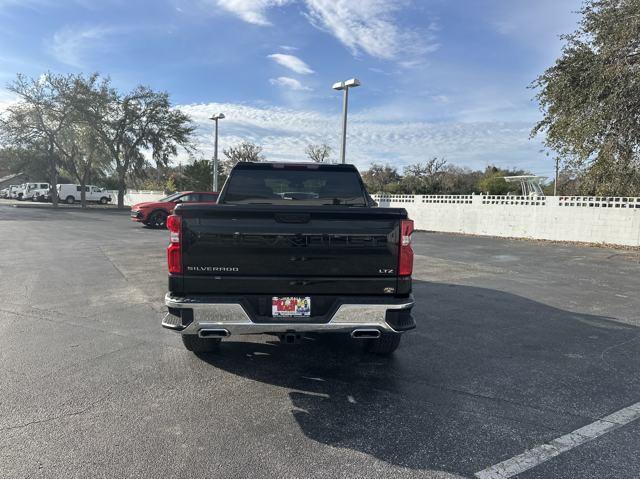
(35, 191)
(11, 191)
(16, 191)
(70, 193)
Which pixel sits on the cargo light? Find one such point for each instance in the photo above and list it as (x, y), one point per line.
(174, 251)
(405, 256)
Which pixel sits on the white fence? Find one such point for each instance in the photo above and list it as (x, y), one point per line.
(592, 219)
(132, 197)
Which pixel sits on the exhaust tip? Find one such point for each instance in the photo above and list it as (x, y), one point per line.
(365, 334)
(213, 333)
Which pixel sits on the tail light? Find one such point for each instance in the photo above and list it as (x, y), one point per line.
(405, 262)
(174, 251)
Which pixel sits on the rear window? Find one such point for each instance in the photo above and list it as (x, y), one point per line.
(170, 197)
(208, 197)
(287, 186)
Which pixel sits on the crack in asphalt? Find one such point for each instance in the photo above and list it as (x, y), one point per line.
(610, 348)
(113, 264)
(61, 416)
(77, 325)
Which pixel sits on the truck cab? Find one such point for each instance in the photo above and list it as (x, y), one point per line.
(18, 191)
(35, 191)
(11, 191)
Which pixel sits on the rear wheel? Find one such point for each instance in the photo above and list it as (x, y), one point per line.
(103, 200)
(197, 344)
(158, 219)
(70, 200)
(385, 344)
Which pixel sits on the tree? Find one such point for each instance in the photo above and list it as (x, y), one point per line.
(197, 176)
(81, 150)
(37, 120)
(569, 183)
(32, 161)
(590, 98)
(492, 181)
(423, 178)
(318, 153)
(170, 185)
(459, 181)
(245, 151)
(85, 158)
(138, 121)
(381, 178)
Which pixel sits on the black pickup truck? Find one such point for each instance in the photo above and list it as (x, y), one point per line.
(290, 249)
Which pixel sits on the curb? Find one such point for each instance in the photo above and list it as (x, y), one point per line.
(92, 208)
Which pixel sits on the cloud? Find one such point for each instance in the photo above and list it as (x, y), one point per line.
(290, 83)
(369, 26)
(291, 62)
(251, 11)
(70, 45)
(284, 134)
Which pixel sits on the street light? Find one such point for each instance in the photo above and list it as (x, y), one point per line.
(345, 85)
(216, 117)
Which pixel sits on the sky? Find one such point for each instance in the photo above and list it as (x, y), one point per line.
(439, 77)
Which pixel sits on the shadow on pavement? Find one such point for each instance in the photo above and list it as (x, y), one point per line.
(486, 375)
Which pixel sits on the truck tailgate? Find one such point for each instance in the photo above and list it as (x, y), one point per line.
(267, 249)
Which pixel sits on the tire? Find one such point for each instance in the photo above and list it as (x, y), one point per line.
(70, 200)
(158, 219)
(196, 344)
(385, 344)
(103, 200)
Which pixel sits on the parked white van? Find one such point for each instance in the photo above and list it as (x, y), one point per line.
(71, 193)
(33, 191)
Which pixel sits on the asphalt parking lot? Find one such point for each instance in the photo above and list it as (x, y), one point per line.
(518, 343)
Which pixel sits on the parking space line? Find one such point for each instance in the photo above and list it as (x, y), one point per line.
(539, 454)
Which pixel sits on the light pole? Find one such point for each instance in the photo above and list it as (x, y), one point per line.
(216, 117)
(345, 85)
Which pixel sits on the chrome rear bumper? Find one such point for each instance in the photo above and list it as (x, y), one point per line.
(233, 318)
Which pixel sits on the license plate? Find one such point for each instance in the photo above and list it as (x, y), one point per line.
(283, 307)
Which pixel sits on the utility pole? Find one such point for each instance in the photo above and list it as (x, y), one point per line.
(555, 183)
(214, 183)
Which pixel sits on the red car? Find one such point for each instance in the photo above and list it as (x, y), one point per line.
(154, 213)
